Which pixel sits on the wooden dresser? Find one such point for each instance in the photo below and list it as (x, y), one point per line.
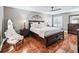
(78, 40)
(72, 28)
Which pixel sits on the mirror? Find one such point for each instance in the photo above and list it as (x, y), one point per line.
(74, 19)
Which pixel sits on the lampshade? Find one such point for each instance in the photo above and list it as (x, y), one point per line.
(24, 21)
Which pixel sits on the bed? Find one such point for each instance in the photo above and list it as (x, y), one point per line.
(48, 35)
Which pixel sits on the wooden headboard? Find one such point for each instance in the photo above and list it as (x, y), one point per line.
(34, 21)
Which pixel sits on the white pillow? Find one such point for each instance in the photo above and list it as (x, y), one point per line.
(34, 24)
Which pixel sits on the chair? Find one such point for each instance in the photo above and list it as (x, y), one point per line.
(13, 38)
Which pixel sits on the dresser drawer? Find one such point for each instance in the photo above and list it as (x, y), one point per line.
(72, 28)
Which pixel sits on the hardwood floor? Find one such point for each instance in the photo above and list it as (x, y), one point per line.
(32, 45)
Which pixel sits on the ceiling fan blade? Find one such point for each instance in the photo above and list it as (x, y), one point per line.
(56, 9)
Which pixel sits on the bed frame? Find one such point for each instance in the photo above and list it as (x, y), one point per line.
(48, 40)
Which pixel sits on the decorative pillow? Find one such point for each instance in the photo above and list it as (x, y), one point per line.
(42, 24)
(36, 25)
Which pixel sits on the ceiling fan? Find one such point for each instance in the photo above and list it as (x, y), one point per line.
(52, 9)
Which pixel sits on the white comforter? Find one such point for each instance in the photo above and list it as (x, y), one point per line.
(45, 31)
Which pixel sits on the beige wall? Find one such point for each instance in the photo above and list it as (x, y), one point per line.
(65, 21)
(1, 18)
(18, 16)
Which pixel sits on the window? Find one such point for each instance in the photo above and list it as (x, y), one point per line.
(57, 21)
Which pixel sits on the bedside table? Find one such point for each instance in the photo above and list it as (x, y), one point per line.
(24, 32)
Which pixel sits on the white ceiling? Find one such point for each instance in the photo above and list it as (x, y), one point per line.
(47, 9)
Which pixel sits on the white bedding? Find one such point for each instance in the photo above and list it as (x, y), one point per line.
(45, 31)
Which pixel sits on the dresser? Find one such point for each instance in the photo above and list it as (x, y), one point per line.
(72, 28)
(78, 40)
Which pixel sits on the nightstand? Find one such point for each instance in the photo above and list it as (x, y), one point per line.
(24, 32)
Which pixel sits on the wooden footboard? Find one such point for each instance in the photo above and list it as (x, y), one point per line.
(53, 38)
